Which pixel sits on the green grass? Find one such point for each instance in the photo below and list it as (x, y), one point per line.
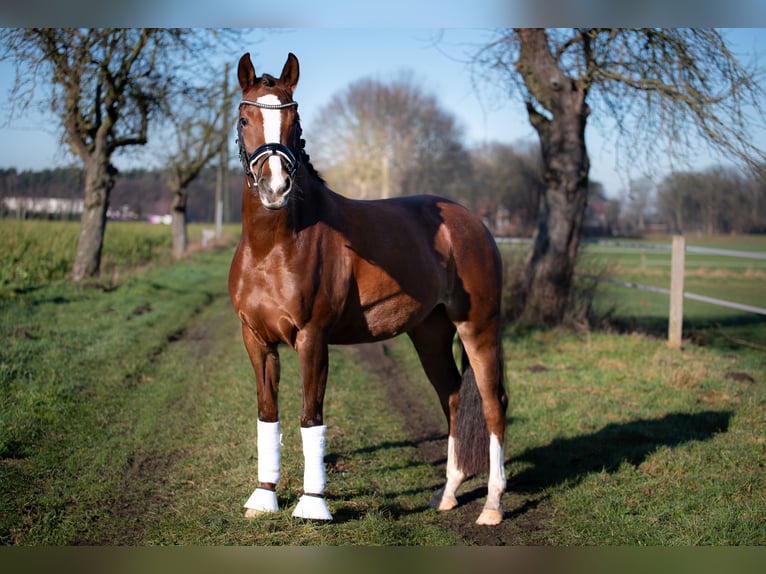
(37, 252)
(620, 441)
(128, 417)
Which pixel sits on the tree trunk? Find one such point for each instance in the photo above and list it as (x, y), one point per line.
(178, 212)
(546, 285)
(99, 180)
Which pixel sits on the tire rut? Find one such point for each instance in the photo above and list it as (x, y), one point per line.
(427, 428)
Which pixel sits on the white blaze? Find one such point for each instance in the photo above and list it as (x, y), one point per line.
(272, 133)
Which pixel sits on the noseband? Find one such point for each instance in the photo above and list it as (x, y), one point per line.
(254, 161)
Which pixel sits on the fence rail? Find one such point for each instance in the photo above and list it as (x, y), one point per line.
(687, 295)
(676, 291)
(689, 248)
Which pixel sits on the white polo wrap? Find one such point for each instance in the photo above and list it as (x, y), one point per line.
(313, 459)
(269, 439)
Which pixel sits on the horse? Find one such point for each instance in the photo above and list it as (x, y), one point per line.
(314, 268)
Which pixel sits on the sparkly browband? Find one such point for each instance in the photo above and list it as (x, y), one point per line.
(268, 106)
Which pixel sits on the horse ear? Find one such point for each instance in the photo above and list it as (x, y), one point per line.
(246, 72)
(290, 72)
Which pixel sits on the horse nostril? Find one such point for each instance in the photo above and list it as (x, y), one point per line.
(274, 187)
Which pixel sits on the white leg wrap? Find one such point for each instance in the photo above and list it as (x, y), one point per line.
(313, 507)
(269, 439)
(268, 442)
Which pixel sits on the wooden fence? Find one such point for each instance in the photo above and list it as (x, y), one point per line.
(678, 249)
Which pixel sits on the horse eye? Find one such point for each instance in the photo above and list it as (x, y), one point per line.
(243, 122)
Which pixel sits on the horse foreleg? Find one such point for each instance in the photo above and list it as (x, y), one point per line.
(265, 361)
(313, 356)
(264, 498)
(312, 503)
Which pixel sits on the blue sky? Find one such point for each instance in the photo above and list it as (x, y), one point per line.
(332, 58)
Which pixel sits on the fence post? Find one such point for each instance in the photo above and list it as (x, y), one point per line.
(675, 322)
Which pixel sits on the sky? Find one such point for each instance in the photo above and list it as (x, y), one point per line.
(333, 58)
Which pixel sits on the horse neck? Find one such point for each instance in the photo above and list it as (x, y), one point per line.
(265, 228)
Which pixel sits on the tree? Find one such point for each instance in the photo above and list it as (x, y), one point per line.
(507, 185)
(199, 119)
(104, 86)
(378, 139)
(715, 200)
(656, 84)
(639, 199)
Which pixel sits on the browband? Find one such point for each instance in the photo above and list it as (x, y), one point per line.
(268, 106)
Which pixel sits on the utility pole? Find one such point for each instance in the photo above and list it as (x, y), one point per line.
(225, 148)
(221, 181)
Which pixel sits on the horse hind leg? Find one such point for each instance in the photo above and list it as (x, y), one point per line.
(433, 343)
(486, 362)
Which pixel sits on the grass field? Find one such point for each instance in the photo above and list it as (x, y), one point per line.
(128, 417)
(736, 279)
(35, 253)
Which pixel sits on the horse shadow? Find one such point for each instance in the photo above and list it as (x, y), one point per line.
(569, 460)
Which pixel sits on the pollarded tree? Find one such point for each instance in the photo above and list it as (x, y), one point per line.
(104, 86)
(662, 87)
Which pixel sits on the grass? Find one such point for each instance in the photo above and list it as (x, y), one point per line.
(36, 252)
(128, 417)
(620, 441)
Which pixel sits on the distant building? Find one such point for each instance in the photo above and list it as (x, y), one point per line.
(53, 207)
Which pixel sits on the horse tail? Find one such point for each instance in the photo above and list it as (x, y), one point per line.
(470, 432)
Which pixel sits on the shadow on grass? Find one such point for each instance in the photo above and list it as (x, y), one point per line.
(570, 460)
(730, 333)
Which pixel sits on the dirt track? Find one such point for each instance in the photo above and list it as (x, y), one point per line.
(428, 431)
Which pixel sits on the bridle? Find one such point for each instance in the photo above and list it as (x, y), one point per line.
(253, 163)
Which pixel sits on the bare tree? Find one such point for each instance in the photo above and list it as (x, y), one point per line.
(378, 139)
(640, 192)
(507, 186)
(658, 85)
(715, 200)
(199, 119)
(104, 86)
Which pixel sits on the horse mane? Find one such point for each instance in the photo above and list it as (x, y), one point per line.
(305, 159)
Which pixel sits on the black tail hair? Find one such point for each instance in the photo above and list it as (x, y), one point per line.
(471, 434)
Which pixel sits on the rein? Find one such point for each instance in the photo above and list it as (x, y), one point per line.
(261, 155)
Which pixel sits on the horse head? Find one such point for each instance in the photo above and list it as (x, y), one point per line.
(268, 126)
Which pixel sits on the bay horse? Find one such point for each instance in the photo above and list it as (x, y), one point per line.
(314, 268)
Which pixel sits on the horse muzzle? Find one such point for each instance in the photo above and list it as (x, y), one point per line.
(274, 200)
(275, 183)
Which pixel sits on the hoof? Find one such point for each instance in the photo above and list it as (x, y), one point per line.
(312, 508)
(262, 501)
(442, 503)
(252, 512)
(490, 517)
